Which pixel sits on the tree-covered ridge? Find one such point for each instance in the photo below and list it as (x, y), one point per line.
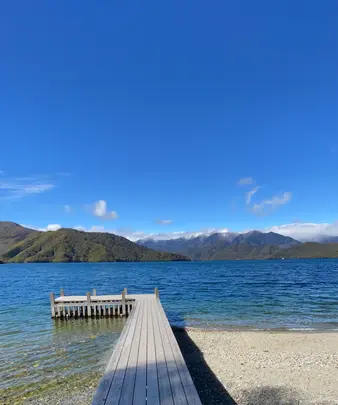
(12, 233)
(69, 245)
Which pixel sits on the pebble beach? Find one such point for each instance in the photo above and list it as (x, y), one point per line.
(242, 368)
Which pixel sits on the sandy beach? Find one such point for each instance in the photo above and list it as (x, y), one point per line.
(243, 368)
(261, 368)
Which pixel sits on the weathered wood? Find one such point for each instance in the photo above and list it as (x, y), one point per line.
(52, 307)
(94, 292)
(124, 302)
(147, 367)
(62, 292)
(152, 377)
(157, 293)
(89, 309)
(106, 381)
(162, 370)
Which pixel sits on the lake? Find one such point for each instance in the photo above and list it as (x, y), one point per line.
(37, 352)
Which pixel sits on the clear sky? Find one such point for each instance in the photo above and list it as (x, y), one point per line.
(144, 116)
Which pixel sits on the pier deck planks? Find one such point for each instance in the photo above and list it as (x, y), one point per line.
(147, 366)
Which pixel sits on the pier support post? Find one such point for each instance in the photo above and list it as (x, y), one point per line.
(89, 309)
(124, 302)
(94, 292)
(157, 295)
(52, 302)
(125, 290)
(62, 292)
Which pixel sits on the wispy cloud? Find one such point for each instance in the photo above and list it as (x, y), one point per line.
(13, 188)
(250, 194)
(99, 209)
(245, 181)
(164, 221)
(272, 203)
(67, 208)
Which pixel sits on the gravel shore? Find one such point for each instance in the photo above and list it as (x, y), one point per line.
(245, 368)
(261, 368)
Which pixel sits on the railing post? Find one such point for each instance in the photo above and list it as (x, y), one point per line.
(157, 295)
(52, 302)
(124, 302)
(62, 292)
(89, 308)
(94, 292)
(126, 291)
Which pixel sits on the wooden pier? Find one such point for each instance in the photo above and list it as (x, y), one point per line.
(74, 306)
(147, 366)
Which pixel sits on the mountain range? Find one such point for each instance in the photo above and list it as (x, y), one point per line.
(21, 245)
(236, 246)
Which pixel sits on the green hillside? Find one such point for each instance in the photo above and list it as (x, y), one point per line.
(69, 245)
(12, 233)
(309, 250)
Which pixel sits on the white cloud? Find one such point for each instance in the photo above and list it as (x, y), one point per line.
(180, 234)
(298, 230)
(99, 209)
(245, 181)
(250, 194)
(307, 231)
(23, 186)
(272, 203)
(50, 227)
(67, 208)
(164, 221)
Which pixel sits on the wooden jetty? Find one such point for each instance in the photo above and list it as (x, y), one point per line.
(94, 305)
(147, 366)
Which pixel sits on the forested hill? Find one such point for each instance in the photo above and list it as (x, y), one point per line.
(69, 245)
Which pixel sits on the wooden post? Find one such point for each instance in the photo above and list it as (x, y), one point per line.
(124, 302)
(62, 292)
(89, 309)
(157, 295)
(52, 299)
(94, 292)
(126, 291)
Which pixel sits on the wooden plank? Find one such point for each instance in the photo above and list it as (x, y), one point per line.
(152, 377)
(116, 386)
(140, 391)
(165, 393)
(130, 376)
(117, 297)
(187, 382)
(174, 376)
(106, 381)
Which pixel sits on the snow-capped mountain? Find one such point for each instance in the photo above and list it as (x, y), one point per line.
(207, 245)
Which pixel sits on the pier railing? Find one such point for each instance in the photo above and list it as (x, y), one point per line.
(93, 305)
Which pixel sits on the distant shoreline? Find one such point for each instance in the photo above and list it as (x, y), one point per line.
(177, 261)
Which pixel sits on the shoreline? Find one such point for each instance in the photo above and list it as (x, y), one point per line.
(255, 330)
(251, 367)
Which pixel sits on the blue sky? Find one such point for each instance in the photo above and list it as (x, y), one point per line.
(142, 118)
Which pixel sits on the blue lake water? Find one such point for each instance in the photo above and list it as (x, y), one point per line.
(35, 350)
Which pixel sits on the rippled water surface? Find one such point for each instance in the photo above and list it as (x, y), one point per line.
(36, 351)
